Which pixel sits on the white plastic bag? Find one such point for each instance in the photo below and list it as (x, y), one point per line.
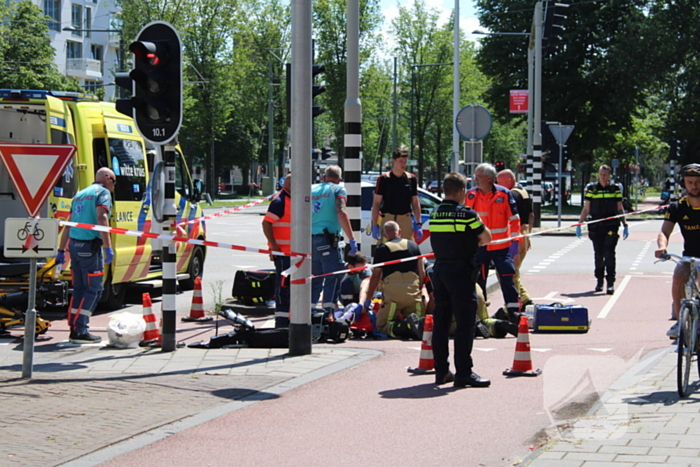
(125, 330)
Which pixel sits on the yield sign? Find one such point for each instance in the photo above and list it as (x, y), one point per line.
(34, 169)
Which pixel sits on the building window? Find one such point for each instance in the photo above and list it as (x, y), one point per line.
(88, 21)
(96, 52)
(92, 86)
(74, 49)
(76, 17)
(52, 9)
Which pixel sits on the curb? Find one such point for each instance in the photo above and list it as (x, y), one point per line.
(629, 378)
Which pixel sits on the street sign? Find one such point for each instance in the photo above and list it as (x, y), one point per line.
(473, 122)
(561, 132)
(519, 101)
(34, 169)
(30, 238)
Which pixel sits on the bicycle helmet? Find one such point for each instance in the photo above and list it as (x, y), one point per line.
(690, 170)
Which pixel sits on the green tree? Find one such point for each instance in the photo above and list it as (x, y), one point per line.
(596, 78)
(330, 30)
(27, 55)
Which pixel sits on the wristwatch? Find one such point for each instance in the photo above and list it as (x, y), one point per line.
(61, 251)
(419, 224)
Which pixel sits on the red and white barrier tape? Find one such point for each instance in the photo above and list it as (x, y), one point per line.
(194, 241)
(228, 211)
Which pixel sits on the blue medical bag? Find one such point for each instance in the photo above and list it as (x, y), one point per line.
(561, 318)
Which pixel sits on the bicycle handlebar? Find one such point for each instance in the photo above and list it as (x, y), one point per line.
(678, 259)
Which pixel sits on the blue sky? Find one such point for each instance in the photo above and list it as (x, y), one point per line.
(467, 12)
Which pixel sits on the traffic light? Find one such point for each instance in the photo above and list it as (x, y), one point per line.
(316, 110)
(553, 25)
(155, 83)
(326, 153)
(500, 166)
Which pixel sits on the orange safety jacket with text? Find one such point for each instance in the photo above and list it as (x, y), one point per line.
(498, 212)
(279, 214)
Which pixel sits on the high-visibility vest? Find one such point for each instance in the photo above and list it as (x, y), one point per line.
(498, 212)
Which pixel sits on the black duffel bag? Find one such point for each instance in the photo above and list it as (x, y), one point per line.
(254, 287)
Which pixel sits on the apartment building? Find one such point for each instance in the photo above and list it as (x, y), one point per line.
(87, 38)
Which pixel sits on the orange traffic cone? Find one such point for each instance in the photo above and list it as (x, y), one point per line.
(522, 362)
(197, 309)
(152, 333)
(426, 364)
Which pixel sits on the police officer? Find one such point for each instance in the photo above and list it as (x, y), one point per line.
(603, 199)
(396, 194)
(91, 205)
(456, 234)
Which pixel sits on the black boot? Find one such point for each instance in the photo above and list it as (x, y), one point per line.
(599, 286)
(611, 288)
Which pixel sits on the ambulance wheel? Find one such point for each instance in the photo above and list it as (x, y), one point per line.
(113, 295)
(195, 268)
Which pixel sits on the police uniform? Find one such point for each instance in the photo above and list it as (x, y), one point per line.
(397, 198)
(604, 234)
(454, 231)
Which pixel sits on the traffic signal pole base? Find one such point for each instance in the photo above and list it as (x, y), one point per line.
(299, 339)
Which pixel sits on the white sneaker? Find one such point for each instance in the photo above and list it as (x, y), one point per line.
(673, 332)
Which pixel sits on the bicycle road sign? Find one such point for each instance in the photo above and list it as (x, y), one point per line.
(34, 169)
(30, 237)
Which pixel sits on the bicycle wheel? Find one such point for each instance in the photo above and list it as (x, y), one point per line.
(685, 353)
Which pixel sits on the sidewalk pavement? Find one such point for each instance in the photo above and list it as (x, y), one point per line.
(82, 399)
(639, 421)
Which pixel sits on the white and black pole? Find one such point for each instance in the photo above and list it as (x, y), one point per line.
(169, 256)
(537, 123)
(353, 122)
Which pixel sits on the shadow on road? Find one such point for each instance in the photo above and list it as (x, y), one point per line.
(421, 391)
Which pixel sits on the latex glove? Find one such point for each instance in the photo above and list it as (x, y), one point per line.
(60, 258)
(355, 310)
(353, 246)
(109, 255)
(625, 233)
(513, 249)
(578, 231)
(376, 233)
(368, 304)
(417, 230)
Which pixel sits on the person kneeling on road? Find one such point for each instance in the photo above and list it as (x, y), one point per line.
(401, 283)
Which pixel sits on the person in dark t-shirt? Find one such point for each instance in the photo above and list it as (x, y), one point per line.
(686, 213)
(396, 195)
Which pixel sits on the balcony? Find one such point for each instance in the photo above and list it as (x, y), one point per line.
(83, 68)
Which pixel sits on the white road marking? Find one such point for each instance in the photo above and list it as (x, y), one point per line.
(483, 349)
(554, 256)
(601, 350)
(608, 306)
(640, 256)
(540, 350)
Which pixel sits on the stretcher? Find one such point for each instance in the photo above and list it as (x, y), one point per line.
(14, 294)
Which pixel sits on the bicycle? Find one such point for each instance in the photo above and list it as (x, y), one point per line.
(688, 324)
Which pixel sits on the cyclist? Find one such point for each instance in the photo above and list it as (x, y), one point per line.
(686, 213)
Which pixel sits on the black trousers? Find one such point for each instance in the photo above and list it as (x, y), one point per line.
(455, 295)
(604, 243)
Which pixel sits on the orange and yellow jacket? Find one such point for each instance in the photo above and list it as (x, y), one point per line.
(498, 212)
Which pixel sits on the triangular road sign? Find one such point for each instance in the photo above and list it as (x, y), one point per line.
(34, 169)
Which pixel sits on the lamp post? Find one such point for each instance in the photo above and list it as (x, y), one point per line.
(413, 99)
(122, 91)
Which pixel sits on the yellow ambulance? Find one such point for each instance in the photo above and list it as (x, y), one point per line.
(103, 138)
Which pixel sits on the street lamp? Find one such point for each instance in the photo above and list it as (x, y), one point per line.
(122, 91)
(413, 99)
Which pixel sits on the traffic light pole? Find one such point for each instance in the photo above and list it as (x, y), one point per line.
(169, 256)
(301, 115)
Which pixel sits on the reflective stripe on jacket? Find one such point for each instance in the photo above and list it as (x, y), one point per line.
(498, 212)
